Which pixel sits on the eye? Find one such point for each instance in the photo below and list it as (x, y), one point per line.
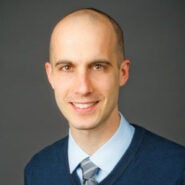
(66, 68)
(98, 67)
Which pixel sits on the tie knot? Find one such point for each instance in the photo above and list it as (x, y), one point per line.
(89, 169)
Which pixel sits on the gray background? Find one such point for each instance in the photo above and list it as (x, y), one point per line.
(154, 96)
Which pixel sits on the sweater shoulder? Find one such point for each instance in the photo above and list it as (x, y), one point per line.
(49, 155)
(160, 141)
(158, 145)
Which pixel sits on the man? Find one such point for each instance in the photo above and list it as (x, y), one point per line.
(86, 69)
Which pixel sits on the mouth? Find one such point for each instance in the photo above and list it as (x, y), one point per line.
(84, 107)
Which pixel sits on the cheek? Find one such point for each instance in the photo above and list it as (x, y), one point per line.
(60, 89)
(109, 86)
(61, 83)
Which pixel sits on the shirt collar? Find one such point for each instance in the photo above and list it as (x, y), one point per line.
(116, 146)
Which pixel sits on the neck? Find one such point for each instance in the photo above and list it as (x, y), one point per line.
(91, 140)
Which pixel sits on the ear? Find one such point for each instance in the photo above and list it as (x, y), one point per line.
(48, 69)
(124, 72)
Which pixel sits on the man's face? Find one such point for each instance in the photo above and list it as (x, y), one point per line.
(84, 74)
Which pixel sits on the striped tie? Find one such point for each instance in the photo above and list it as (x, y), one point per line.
(89, 170)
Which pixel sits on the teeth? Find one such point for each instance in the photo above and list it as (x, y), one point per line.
(83, 106)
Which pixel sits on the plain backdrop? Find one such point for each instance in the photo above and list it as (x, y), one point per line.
(154, 96)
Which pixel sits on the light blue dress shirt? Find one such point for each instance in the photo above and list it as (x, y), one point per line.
(107, 156)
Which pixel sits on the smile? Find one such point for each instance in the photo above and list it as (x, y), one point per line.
(85, 106)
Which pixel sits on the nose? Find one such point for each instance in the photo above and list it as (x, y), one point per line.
(83, 84)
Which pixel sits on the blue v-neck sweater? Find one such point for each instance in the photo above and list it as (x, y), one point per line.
(149, 160)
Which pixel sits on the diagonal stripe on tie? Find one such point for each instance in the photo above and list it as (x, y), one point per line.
(89, 169)
(85, 162)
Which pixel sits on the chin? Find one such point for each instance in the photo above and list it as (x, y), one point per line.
(84, 126)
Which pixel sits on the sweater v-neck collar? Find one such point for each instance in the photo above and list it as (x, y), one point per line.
(122, 165)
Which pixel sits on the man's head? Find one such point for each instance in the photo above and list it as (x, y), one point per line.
(86, 69)
(96, 16)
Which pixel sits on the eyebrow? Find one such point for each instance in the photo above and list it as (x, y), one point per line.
(101, 62)
(60, 62)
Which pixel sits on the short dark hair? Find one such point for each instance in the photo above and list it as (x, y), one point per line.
(117, 28)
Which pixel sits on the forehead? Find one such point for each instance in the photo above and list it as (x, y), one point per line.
(82, 35)
(81, 17)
